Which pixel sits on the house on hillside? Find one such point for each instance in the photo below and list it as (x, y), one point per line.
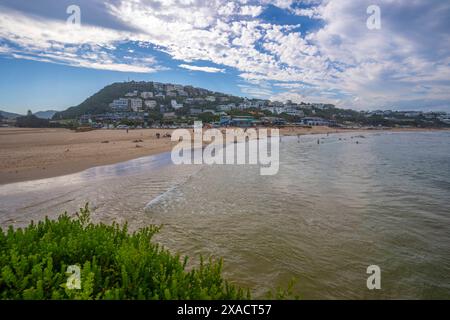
(136, 104)
(120, 104)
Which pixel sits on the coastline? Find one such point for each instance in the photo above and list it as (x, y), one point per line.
(31, 154)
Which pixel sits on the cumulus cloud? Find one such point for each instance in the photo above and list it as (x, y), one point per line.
(33, 38)
(342, 61)
(203, 69)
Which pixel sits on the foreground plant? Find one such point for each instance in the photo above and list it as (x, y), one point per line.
(113, 264)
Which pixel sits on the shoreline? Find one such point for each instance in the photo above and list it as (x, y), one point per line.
(33, 154)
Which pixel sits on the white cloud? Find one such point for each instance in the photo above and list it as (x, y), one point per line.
(203, 69)
(54, 41)
(407, 60)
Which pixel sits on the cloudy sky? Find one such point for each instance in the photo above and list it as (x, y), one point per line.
(306, 50)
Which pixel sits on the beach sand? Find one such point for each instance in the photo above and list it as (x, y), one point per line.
(28, 154)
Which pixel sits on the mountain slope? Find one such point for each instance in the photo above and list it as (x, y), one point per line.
(99, 102)
(45, 114)
(9, 115)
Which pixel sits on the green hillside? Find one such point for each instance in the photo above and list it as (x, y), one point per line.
(99, 102)
(9, 115)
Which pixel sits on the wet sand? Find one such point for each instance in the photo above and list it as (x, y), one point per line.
(28, 154)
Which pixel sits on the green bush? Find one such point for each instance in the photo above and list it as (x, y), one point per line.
(114, 264)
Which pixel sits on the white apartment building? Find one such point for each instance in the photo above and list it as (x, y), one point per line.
(294, 112)
(176, 105)
(132, 94)
(136, 104)
(277, 104)
(146, 95)
(226, 107)
(120, 104)
(170, 87)
(274, 110)
(150, 104)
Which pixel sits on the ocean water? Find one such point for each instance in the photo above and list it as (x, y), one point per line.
(332, 210)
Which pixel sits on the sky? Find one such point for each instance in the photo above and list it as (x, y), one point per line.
(323, 51)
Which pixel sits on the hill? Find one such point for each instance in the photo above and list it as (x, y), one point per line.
(99, 102)
(45, 114)
(9, 115)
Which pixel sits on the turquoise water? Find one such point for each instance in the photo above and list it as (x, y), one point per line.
(333, 209)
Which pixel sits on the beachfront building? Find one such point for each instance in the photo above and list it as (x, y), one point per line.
(225, 120)
(315, 121)
(243, 121)
(273, 121)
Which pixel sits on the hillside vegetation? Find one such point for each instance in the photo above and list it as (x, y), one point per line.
(99, 102)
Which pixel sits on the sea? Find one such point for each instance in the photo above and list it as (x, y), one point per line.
(338, 204)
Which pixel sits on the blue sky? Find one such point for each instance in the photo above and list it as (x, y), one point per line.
(309, 50)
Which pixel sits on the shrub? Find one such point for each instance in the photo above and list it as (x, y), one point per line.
(114, 264)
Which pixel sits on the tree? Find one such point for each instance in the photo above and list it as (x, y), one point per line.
(31, 121)
(208, 117)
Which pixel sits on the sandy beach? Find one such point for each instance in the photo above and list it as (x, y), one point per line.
(28, 154)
